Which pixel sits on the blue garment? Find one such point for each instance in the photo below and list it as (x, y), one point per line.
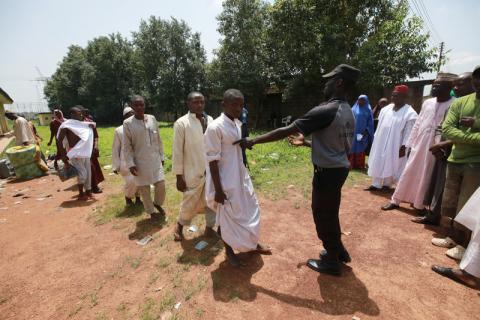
(363, 125)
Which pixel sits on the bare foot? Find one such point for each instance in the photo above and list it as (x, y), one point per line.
(263, 249)
(178, 234)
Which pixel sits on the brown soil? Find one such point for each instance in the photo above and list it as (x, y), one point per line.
(56, 263)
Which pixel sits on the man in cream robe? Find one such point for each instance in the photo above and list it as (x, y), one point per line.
(21, 130)
(415, 179)
(119, 165)
(188, 164)
(388, 155)
(144, 157)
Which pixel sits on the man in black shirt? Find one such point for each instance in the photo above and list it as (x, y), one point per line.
(331, 125)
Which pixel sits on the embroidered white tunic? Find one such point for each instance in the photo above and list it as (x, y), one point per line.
(119, 165)
(143, 149)
(393, 131)
(239, 216)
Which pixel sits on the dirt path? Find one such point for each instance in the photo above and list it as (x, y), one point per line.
(56, 263)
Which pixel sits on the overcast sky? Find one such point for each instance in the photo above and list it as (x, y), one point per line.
(38, 32)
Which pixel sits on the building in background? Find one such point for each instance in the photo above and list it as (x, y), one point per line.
(29, 110)
(4, 99)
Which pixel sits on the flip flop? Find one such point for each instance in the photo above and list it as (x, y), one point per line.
(448, 273)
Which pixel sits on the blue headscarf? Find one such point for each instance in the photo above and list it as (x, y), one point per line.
(363, 125)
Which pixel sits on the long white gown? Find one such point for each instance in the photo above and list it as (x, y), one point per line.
(469, 216)
(239, 216)
(393, 130)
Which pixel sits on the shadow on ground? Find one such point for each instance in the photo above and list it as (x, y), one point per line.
(337, 295)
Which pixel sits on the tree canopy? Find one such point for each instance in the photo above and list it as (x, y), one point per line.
(287, 44)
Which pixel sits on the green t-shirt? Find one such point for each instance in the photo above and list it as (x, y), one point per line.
(466, 141)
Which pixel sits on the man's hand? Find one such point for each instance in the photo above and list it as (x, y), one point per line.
(245, 143)
(163, 163)
(133, 171)
(91, 125)
(220, 197)
(467, 121)
(115, 171)
(401, 152)
(297, 140)
(181, 184)
(49, 143)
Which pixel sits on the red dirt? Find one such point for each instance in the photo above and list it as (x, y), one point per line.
(55, 263)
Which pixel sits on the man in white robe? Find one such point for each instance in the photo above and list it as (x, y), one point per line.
(387, 157)
(469, 272)
(415, 179)
(75, 137)
(229, 189)
(144, 156)
(119, 165)
(188, 164)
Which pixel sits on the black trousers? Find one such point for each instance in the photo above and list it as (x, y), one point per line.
(326, 195)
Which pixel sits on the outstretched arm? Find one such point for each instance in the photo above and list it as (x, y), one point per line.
(271, 136)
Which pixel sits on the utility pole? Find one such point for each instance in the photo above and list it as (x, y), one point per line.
(440, 56)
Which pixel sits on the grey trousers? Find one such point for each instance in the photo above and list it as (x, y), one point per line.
(84, 171)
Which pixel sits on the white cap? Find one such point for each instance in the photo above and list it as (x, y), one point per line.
(127, 110)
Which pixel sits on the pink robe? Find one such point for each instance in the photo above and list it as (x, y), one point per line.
(415, 179)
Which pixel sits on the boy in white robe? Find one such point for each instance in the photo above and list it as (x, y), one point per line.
(119, 166)
(229, 189)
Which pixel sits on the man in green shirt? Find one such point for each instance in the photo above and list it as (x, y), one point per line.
(462, 127)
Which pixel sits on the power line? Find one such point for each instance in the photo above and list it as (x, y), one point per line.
(425, 11)
(419, 13)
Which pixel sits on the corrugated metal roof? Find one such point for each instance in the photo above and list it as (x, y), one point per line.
(3, 93)
(28, 107)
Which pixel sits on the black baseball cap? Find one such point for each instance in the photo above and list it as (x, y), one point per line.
(345, 71)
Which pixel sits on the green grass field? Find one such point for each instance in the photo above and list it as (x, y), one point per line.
(274, 168)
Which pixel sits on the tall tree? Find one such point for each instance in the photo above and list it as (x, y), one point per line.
(242, 60)
(65, 88)
(171, 62)
(308, 37)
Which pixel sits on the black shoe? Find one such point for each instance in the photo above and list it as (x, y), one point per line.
(329, 267)
(390, 206)
(372, 188)
(128, 201)
(426, 220)
(96, 189)
(343, 256)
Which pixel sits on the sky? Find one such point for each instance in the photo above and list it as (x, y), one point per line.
(37, 33)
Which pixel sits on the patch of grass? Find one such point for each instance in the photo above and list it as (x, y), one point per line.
(148, 310)
(134, 262)
(193, 289)
(167, 302)
(163, 263)
(101, 316)
(94, 299)
(75, 310)
(177, 280)
(200, 313)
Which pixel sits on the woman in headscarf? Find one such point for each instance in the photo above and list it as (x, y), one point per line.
(363, 132)
(54, 126)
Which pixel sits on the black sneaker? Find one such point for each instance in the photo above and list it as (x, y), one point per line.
(342, 257)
